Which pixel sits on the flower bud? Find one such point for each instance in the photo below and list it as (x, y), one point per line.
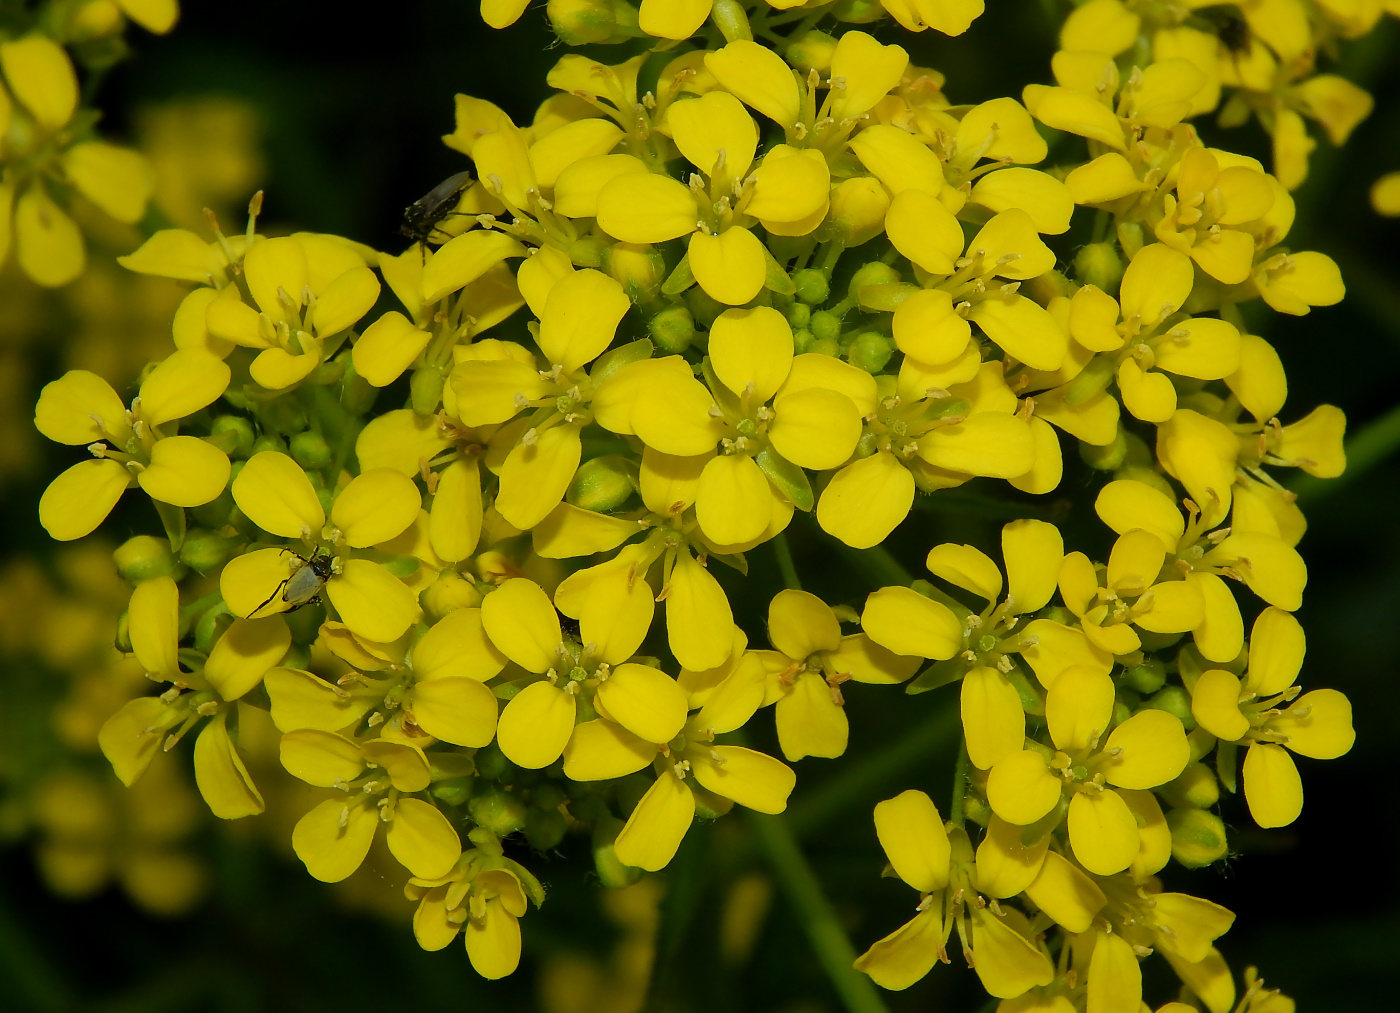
(1198, 837)
(825, 326)
(603, 484)
(455, 791)
(612, 872)
(544, 828)
(673, 329)
(638, 268)
(498, 811)
(812, 51)
(121, 640)
(870, 351)
(703, 306)
(1148, 677)
(492, 763)
(1173, 700)
(203, 551)
(1194, 788)
(798, 314)
(268, 441)
(233, 434)
(451, 591)
(1105, 458)
(219, 511)
(858, 12)
(283, 415)
(812, 286)
(143, 557)
(1099, 264)
(579, 22)
(425, 388)
(310, 450)
(857, 213)
(356, 393)
(211, 627)
(802, 340)
(97, 19)
(729, 17)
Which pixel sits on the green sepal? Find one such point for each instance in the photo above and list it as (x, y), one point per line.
(172, 518)
(624, 355)
(734, 560)
(775, 278)
(724, 397)
(790, 480)
(1032, 697)
(940, 673)
(1225, 765)
(680, 279)
(533, 888)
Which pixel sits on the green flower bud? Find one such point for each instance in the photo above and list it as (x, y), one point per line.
(811, 51)
(268, 441)
(1154, 642)
(858, 12)
(1130, 238)
(708, 805)
(1099, 264)
(1194, 788)
(729, 17)
(798, 314)
(638, 268)
(282, 415)
(603, 484)
(873, 273)
(492, 763)
(1173, 700)
(356, 393)
(544, 828)
(122, 639)
(802, 340)
(204, 551)
(310, 450)
(233, 434)
(143, 557)
(579, 22)
(1148, 677)
(825, 326)
(455, 791)
(703, 306)
(812, 286)
(673, 329)
(425, 388)
(220, 510)
(612, 872)
(451, 591)
(1201, 743)
(498, 811)
(825, 347)
(1105, 458)
(211, 627)
(1198, 837)
(870, 351)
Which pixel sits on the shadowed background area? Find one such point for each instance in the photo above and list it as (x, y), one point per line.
(349, 109)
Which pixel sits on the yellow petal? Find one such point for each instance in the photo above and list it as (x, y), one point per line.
(81, 408)
(377, 506)
(1057, 647)
(1068, 896)
(1006, 864)
(334, 838)
(465, 258)
(131, 738)
(926, 326)
(809, 721)
(455, 520)
(645, 701)
(866, 500)
(222, 778)
(457, 710)
(966, 567)
(801, 624)
(1267, 565)
(1215, 704)
(185, 471)
(751, 351)
(1153, 750)
(1078, 708)
(1318, 725)
(580, 318)
(42, 79)
(921, 228)
(730, 266)
(650, 208)
(372, 602)
(715, 129)
(117, 180)
(387, 348)
(537, 474)
(301, 700)
(1220, 635)
(915, 841)
(1020, 788)
(422, 840)
(522, 623)
(1276, 647)
(406, 765)
(277, 496)
(733, 500)
(656, 827)
(536, 725)
(1033, 551)
(1115, 979)
(991, 444)
(244, 653)
(905, 622)
(600, 750)
(698, 616)
(898, 159)
(1272, 786)
(1102, 832)
(1047, 201)
(993, 722)
(759, 77)
(48, 245)
(906, 954)
(1007, 963)
(80, 499)
(755, 780)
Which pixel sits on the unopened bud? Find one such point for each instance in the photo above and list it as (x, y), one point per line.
(579, 22)
(1173, 700)
(870, 351)
(603, 484)
(811, 51)
(233, 434)
(1194, 788)
(203, 551)
(498, 811)
(143, 557)
(492, 763)
(451, 591)
(858, 12)
(812, 287)
(425, 388)
(1099, 264)
(611, 872)
(1148, 677)
(857, 213)
(1198, 837)
(1105, 458)
(798, 314)
(825, 326)
(544, 828)
(638, 268)
(310, 450)
(673, 330)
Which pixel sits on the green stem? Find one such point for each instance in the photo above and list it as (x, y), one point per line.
(684, 883)
(1371, 446)
(960, 769)
(786, 567)
(804, 892)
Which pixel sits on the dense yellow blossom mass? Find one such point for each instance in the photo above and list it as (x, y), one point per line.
(762, 273)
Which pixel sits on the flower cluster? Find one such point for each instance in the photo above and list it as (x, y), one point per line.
(780, 280)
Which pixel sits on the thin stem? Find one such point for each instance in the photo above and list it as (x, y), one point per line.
(786, 567)
(1371, 446)
(804, 892)
(684, 880)
(959, 797)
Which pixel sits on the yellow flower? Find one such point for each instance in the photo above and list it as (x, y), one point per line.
(376, 781)
(43, 143)
(812, 660)
(129, 443)
(376, 507)
(1248, 711)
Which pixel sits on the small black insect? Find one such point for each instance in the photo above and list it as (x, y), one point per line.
(304, 585)
(1228, 25)
(421, 218)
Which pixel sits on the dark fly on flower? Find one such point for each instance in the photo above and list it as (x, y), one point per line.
(1227, 23)
(304, 585)
(421, 218)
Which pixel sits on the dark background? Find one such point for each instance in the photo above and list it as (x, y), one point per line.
(353, 105)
